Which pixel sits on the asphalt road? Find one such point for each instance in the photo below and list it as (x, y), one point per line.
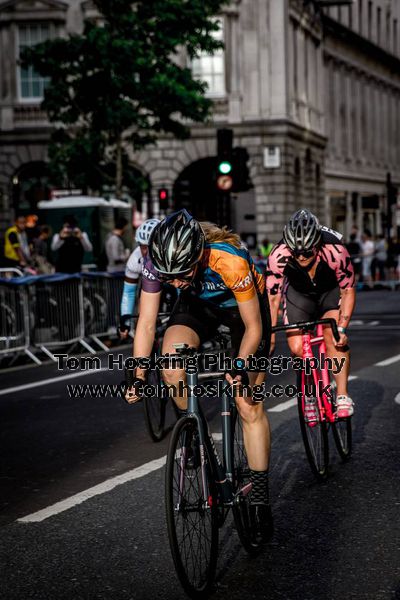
(335, 540)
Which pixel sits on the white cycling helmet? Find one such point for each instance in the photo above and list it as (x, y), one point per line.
(143, 232)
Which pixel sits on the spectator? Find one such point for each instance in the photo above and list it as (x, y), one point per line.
(354, 249)
(355, 231)
(71, 244)
(31, 229)
(379, 262)
(115, 248)
(16, 248)
(367, 250)
(41, 251)
(264, 249)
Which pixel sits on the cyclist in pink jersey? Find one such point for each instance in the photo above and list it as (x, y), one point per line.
(311, 270)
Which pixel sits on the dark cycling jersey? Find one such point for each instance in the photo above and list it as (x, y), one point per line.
(334, 268)
(225, 276)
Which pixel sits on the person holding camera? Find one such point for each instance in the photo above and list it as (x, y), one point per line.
(71, 244)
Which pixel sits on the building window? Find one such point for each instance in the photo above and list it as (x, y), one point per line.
(31, 84)
(211, 68)
(360, 17)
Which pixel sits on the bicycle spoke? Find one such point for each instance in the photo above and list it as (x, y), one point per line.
(315, 436)
(191, 523)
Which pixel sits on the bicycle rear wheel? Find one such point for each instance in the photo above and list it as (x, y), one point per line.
(315, 435)
(192, 520)
(155, 409)
(341, 428)
(241, 481)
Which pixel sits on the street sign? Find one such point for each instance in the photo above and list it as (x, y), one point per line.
(224, 182)
(272, 157)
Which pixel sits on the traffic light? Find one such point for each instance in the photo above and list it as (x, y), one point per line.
(240, 170)
(163, 198)
(224, 159)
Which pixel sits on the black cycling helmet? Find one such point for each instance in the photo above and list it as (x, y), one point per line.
(176, 244)
(303, 231)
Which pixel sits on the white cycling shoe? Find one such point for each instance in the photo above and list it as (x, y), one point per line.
(344, 407)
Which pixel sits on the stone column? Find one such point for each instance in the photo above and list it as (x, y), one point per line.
(359, 217)
(328, 211)
(349, 216)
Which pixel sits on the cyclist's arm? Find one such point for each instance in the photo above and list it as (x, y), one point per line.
(274, 303)
(251, 317)
(146, 327)
(347, 304)
(338, 258)
(128, 296)
(275, 278)
(133, 271)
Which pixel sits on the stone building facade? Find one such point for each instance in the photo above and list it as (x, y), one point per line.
(313, 95)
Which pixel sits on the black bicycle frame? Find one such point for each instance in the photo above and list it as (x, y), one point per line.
(223, 472)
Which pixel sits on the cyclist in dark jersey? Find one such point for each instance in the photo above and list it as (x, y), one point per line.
(218, 285)
(311, 270)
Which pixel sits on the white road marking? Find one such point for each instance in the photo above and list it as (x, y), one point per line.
(397, 398)
(34, 384)
(388, 361)
(283, 406)
(374, 323)
(351, 377)
(96, 490)
(352, 323)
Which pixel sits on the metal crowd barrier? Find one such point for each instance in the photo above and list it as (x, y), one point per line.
(14, 316)
(49, 311)
(101, 301)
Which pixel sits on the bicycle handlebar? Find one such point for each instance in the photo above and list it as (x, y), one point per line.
(310, 325)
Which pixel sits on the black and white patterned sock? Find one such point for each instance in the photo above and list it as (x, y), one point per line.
(260, 489)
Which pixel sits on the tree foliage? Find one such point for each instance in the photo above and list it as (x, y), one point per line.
(120, 83)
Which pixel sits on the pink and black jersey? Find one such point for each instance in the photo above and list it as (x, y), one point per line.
(334, 268)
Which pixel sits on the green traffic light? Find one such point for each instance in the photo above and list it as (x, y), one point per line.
(225, 167)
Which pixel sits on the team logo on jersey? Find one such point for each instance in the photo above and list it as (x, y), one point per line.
(332, 231)
(244, 282)
(147, 274)
(209, 285)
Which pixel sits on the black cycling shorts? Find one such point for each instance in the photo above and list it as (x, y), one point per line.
(307, 307)
(205, 318)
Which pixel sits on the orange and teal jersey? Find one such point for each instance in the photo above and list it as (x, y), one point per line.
(225, 276)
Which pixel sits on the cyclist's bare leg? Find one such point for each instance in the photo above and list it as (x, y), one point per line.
(178, 334)
(295, 342)
(333, 351)
(256, 429)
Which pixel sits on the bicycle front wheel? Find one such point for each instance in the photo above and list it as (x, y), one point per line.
(241, 483)
(315, 434)
(191, 505)
(155, 408)
(341, 428)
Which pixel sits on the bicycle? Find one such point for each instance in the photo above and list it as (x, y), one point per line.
(200, 488)
(155, 408)
(315, 434)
